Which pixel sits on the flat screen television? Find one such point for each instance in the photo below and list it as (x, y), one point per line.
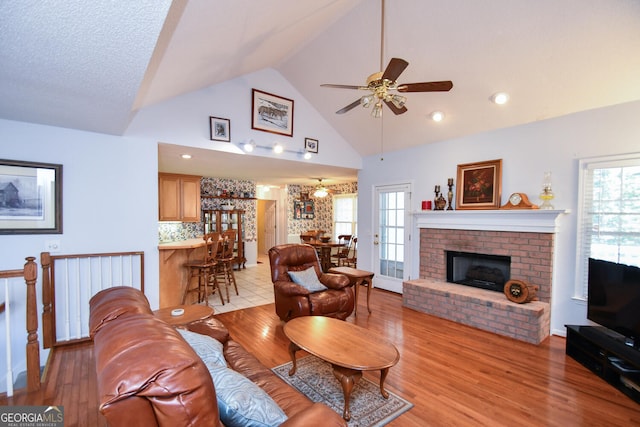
(614, 298)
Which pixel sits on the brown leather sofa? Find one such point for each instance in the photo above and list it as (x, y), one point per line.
(293, 300)
(149, 376)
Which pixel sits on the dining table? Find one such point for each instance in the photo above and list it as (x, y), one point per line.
(324, 251)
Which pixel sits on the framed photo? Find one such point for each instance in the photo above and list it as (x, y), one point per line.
(303, 209)
(30, 198)
(271, 113)
(311, 145)
(479, 185)
(220, 129)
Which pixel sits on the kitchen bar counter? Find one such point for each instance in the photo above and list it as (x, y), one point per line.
(173, 273)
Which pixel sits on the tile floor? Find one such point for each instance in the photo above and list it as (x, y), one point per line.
(254, 288)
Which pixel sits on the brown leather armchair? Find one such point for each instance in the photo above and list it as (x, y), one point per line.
(293, 300)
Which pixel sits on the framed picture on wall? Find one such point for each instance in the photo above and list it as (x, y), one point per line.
(311, 145)
(271, 113)
(479, 185)
(304, 209)
(30, 197)
(220, 129)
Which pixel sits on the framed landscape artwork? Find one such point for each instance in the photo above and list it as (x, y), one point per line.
(30, 198)
(479, 185)
(220, 129)
(271, 113)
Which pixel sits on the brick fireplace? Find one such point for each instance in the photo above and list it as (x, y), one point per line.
(527, 237)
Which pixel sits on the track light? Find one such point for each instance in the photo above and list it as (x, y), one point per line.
(278, 148)
(249, 146)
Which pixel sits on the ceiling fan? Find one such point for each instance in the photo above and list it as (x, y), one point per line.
(382, 84)
(321, 190)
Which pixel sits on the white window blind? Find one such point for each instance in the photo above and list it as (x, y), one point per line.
(345, 214)
(609, 214)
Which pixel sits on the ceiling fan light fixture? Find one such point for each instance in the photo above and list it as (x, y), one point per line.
(500, 98)
(366, 100)
(398, 100)
(320, 192)
(376, 113)
(437, 116)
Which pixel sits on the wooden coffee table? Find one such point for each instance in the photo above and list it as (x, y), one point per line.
(349, 348)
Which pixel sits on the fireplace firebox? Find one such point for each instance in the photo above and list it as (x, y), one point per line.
(483, 271)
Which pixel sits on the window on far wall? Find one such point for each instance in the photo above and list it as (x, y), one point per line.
(609, 213)
(345, 214)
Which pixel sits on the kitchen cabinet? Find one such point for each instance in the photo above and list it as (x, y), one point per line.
(179, 197)
(220, 220)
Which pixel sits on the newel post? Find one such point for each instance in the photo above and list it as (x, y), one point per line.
(33, 346)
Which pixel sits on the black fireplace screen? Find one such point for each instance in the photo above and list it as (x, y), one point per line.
(478, 270)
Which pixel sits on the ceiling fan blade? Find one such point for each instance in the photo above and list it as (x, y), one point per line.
(442, 86)
(394, 69)
(395, 109)
(343, 86)
(349, 107)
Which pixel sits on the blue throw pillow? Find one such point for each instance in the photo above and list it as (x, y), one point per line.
(243, 403)
(209, 350)
(307, 278)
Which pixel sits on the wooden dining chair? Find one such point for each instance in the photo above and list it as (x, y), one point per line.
(224, 266)
(352, 258)
(343, 252)
(203, 269)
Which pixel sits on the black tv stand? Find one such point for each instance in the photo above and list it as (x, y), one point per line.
(607, 355)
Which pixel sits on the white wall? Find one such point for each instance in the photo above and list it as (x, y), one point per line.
(110, 202)
(527, 151)
(184, 120)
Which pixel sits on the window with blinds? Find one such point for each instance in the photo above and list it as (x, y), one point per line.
(609, 214)
(345, 214)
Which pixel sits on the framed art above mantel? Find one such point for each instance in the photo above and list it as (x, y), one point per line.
(30, 197)
(479, 185)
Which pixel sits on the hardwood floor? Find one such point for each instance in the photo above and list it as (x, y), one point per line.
(453, 374)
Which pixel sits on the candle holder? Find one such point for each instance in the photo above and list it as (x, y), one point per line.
(439, 202)
(450, 193)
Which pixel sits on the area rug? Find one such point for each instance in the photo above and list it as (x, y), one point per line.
(314, 378)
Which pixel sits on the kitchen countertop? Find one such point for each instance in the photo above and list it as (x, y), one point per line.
(182, 244)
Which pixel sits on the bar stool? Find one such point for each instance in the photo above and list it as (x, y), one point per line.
(223, 271)
(204, 271)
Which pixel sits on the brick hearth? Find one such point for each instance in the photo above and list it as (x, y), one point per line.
(528, 238)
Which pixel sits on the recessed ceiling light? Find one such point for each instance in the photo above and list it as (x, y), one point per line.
(186, 156)
(437, 116)
(500, 98)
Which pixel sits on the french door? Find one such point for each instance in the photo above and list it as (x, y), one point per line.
(392, 235)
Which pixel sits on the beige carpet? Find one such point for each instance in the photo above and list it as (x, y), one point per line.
(314, 378)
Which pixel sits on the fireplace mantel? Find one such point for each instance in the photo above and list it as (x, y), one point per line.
(527, 220)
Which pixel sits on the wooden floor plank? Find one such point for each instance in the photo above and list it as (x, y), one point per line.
(454, 375)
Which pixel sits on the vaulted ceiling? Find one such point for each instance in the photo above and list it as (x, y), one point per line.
(92, 65)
